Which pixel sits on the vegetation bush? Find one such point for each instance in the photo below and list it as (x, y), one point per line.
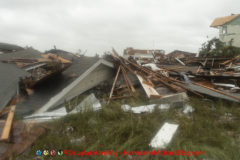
(217, 48)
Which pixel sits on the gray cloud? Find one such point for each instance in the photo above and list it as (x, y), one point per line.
(99, 25)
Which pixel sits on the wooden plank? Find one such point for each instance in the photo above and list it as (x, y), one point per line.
(8, 124)
(128, 80)
(150, 91)
(114, 83)
(155, 96)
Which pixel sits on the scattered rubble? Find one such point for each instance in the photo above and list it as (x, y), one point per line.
(164, 136)
(41, 85)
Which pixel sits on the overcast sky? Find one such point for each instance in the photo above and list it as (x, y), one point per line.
(99, 25)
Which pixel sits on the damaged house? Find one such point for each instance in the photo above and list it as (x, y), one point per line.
(84, 74)
(229, 29)
(145, 55)
(49, 79)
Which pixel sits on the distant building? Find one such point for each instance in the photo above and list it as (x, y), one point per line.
(142, 54)
(229, 29)
(180, 54)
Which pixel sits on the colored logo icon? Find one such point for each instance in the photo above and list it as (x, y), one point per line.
(38, 153)
(45, 152)
(53, 153)
(60, 152)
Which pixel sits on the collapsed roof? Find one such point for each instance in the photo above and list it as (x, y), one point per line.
(10, 75)
(28, 53)
(62, 87)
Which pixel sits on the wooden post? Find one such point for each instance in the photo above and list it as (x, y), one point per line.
(114, 83)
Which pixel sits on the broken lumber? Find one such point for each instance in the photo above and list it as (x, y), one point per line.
(8, 124)
(150, 91)
(114, 83)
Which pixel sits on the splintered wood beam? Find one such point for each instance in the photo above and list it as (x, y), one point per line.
(128, 80)
(150, 91)
(114, 83)
(8, 124)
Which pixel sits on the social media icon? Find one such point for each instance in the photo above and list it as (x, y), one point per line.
(60, 152)
(38, 152)
(45, 152)
(53, 152)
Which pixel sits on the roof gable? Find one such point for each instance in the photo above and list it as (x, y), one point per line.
(224, 20)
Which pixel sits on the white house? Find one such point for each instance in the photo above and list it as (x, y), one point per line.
(229, 28)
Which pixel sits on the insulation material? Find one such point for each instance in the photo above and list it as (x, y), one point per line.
(164, 135)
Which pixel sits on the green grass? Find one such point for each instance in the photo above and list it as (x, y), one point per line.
(206, 129)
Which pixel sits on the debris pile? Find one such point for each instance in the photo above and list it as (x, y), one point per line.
(43, 86)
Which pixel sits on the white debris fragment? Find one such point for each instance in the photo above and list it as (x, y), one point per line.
(164, 106)
(126, 108)
(144, 109)
(164, 136)
(152, 66)
(188, 109)
(90, 102)
(78, 141)
(140, 109)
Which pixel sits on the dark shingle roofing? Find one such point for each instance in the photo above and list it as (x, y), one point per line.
(9, 79)
(9, 47)
(28, 53)
(45, 91)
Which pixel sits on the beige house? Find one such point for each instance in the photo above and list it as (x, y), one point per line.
(229, 28)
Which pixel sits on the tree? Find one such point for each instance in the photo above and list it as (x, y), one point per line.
(216, 48)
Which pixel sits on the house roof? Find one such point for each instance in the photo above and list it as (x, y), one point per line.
(176, 52)
(131, 51)
(9, 47)
(223, 20)
(28, 53)
(47, 90)
(10, 75)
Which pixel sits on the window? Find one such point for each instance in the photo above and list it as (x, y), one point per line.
(224, 30)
